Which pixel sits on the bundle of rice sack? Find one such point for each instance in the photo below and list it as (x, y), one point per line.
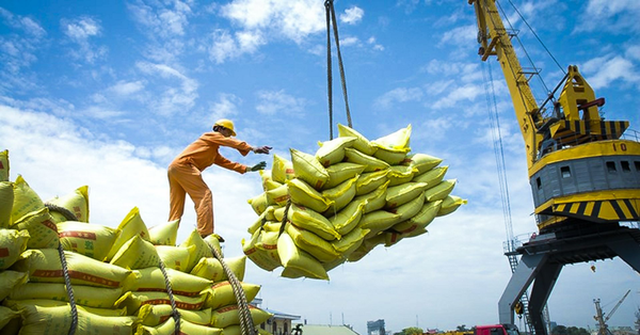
(366, 192)
(221, 294)
(228, 316)
(89, 296)
(152, 279)
(9, 280)
(169, 328)
(132, 225)
(57, 320)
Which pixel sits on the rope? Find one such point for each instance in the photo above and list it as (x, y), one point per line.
(69, 215)
(67, 282)
(284, 217)
(167, 283)
(246, 321)
(331, 16)
(329, 70)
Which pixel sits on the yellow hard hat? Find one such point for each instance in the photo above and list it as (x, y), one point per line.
(226, 123)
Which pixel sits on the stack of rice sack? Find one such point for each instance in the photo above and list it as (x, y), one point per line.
(115, 274)
(351, 196)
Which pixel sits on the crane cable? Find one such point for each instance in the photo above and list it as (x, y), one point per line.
(331, 17)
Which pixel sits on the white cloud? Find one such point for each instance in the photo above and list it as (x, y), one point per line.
(352, 15)
(172, 100)
(274, 103)
(459, 36)
(290, 19)
(348, 41)
(401, 94)
(125, 88)
(225, 46)
(466, 92)
(161, 19)
(610, 68)
(616, 16)
(225, 107)
(376, 46)
(80, 31)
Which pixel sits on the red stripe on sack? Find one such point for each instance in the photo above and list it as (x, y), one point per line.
(1, 166)
(79, 234)
(77, 275)
(4, 252)
(270, 246)
(50, 224)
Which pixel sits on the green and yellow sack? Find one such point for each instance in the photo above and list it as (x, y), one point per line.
(164, 234)
(77, 202)
(91, 240)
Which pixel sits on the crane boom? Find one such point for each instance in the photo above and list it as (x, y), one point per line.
(580, 170)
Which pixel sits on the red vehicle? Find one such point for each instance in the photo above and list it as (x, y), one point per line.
(500, 329)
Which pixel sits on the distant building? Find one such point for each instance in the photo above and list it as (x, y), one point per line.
(327, 330)
(375, 327)
(279, 323)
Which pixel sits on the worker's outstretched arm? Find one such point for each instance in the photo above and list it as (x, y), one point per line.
(260, 166)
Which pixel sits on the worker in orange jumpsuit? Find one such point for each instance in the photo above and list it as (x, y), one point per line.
(185, 172)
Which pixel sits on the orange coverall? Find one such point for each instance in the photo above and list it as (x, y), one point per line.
(185, 176)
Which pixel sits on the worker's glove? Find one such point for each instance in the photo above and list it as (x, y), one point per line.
(258, 167)
(262, 150)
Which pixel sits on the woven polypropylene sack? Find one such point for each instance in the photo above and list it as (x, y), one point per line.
(44, 266)
(278, 196)
(310, 220)
(348, 218)
(132, 225)
(136, 254)
(177, 258)
(350, 242)
(373, 200)
(450, 204)
(221, 294)
(12, 244)
(370, 181)
(440, 191)
(164, 234)
(370, 163)
(391, 156)
(6, 315)
(400, 174)
(153, 315)
(341, 172)
(9, 280)
(4, 165)
(91, 240)
(332, 151)
(398, 140)
(421, 220)
(262, 258)
(211, 268)
(228, 316)
(282, 169)
(309, 169)
(340, 196)
(378, 221)
(77, 202)
(152, 279)
(423, 162)
(57, 320)
(42, 229)
(303, 194)
(6, 203)
(25, 200)
(365, 247)
(91, 296)
(186, 328)
(361, 143)
(107, 312)
(401, 194)
(202, 247)
(297, 262)
(410, 209)
(259, 203)
(320, 249)
(134, 300)
(432, 177)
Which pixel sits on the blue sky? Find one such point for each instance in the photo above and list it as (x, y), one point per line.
(106, 93)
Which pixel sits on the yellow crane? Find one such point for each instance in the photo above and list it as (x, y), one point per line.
(584, 177)
(579, 167)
